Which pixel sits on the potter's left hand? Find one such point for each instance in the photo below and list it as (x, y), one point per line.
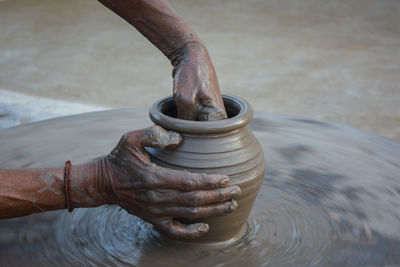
(196, 90)
(158, 195)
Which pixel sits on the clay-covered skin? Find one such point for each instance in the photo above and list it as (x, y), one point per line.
(195, 86)
(158, 195)
(125, 177)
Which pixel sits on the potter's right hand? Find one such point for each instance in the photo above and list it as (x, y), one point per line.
(196, 90)
(159, 195)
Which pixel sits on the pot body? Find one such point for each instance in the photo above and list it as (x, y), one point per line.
(222, 147)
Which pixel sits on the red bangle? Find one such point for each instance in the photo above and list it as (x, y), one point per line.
(67, 185)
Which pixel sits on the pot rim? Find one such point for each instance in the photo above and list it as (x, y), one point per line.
(240, 120)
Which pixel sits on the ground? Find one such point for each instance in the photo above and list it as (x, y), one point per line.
(327, 60)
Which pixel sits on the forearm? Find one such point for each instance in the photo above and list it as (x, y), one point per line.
(26, 191)
(31, 190)
(156, 20)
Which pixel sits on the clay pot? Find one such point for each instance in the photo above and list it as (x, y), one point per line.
(223, 147)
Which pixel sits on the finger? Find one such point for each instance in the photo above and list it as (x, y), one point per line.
(209, 111)
(158, 137)
(211, 114)
(190, 199)
(186, 103)
(185, 181)
(184, 113)
(175, 229)
(192, 213)
(186, 110)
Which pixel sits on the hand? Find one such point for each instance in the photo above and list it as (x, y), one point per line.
(196, 90)
(158, 195)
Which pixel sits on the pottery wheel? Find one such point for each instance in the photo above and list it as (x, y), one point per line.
(331, 196)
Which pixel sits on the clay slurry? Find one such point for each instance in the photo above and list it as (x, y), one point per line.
(331, 203)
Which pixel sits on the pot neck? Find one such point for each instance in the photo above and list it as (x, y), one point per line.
(239, 111)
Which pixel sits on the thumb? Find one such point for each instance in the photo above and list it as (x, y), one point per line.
(157, 137)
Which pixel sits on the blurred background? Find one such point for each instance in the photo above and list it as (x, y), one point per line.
(335, 60)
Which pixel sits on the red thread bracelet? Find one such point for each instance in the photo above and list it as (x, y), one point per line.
(67, 185)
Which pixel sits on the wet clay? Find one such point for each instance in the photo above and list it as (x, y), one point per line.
(329, 197)
(223, 147)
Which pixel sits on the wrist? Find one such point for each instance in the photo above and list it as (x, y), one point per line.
(187, 49)
(105, 173)
(86, 188)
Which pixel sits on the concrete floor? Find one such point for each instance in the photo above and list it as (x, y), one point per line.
(333, 60)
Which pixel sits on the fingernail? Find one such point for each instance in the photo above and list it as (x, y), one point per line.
(224, 182)
(203, 228)
(232, 206)
(236, 191)
(176, 137)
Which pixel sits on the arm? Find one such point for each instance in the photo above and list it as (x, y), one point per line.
(125, 177)
(26, 191)
(196, 90)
